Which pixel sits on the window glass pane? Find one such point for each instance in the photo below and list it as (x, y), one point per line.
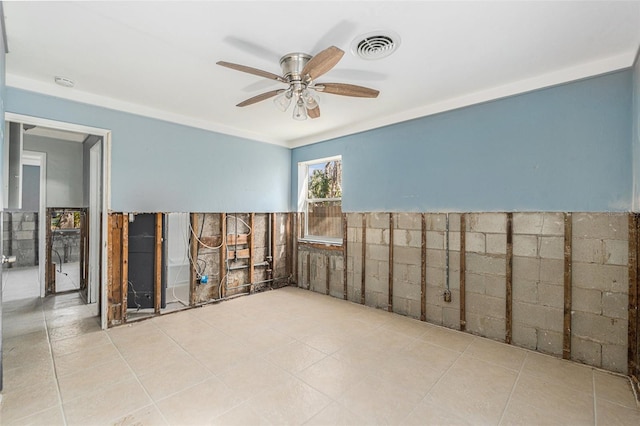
(325, 180)
(325, 219)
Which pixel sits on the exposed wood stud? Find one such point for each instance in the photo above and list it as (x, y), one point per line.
(463, 260)
(309, 271)
(566, 347)
(193, 254)
(509, 281)
(251, 251)
(345, 274)
(632, 354)
(223, 256)
(49, 270)
(364, 258)
(157, 293)
(423, 271)
(289, 245)
(328, 273)
(112, 288)
(274, 237)
(294, 250)
(391, 229)
(124, 267)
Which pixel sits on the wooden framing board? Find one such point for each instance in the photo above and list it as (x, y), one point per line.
(294, 247)
(345, 273)
(463, 261)
(124, 218)
(113, 290)
(391, 229)
(49, 270)
(328, 274)
(274, 237)
(223, 254)
(364, 258)
(289, 246)
(157, 292)
(252, 218)
(237, 239)
(509, 281)
(423, 270)
(566, 340)
(632, 352)
(308, 270)
(193, 257)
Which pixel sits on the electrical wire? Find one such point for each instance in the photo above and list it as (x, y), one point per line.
(242, 221)
(135, 296)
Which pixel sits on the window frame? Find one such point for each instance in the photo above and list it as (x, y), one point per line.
(304, 201)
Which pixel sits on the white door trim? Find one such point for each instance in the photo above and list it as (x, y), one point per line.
(106, 184)
(34, 158)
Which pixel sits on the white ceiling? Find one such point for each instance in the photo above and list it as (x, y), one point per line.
(159, 58)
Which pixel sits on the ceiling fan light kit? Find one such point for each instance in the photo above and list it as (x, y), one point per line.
(299, 71)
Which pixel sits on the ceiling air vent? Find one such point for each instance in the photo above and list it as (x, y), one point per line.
(376, 45)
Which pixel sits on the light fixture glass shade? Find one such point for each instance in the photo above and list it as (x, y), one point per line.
(310, 99)
(300, 111)
(283, 100)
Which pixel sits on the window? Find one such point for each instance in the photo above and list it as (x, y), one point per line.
(321, 199)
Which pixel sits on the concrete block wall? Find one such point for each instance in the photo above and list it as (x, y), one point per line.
(437, 310)
(599, 319)
(407, 263)
(600, 276)
(485, 247)
(538, 281)
(21, 239)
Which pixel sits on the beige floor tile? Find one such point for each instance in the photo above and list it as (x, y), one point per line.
(497, 353)
(173, 378)
(199, 404)
(242, 415)
(433, 356)
(336, 415)
(333, 376)
(91, 380)
(614, 389)
(295, 356)
(50, 417)
(291, 403)
(28, 374)
(326, 342)
(27, 400)
(554, 398)
(112, 400)
(223, 357)
(520, 413)
(413, 373)
(474, 389)
(79, 343)
(380, 401)
(571, 374)
(73, 329)
(254, 376)
(427, 413)
(265, 341)
(407, 326)
(612, 414)
(147, 416)
(155, 359)
(449, 339)
(76, 361)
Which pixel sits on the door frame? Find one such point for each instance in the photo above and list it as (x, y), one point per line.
(35, 158)
(106, 187)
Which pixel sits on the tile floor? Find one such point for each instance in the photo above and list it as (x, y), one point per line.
(287, 356)
(23, 283)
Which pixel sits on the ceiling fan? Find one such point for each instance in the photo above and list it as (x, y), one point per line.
(299, 72)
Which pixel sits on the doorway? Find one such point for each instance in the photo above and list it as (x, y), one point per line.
(92, 190)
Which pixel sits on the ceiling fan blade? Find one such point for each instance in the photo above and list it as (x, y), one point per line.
(314, 113)
(322, 62)
(347, 90)
(260, 97)
(254, 71)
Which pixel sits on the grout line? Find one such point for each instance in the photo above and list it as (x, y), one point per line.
(513, 389)
(55, 369)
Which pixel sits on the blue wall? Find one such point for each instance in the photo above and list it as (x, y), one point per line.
(564, 148)
(157, 166)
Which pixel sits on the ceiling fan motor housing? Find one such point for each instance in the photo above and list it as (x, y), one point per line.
(292, 65)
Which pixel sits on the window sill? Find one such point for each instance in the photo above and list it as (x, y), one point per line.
(320, 244)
